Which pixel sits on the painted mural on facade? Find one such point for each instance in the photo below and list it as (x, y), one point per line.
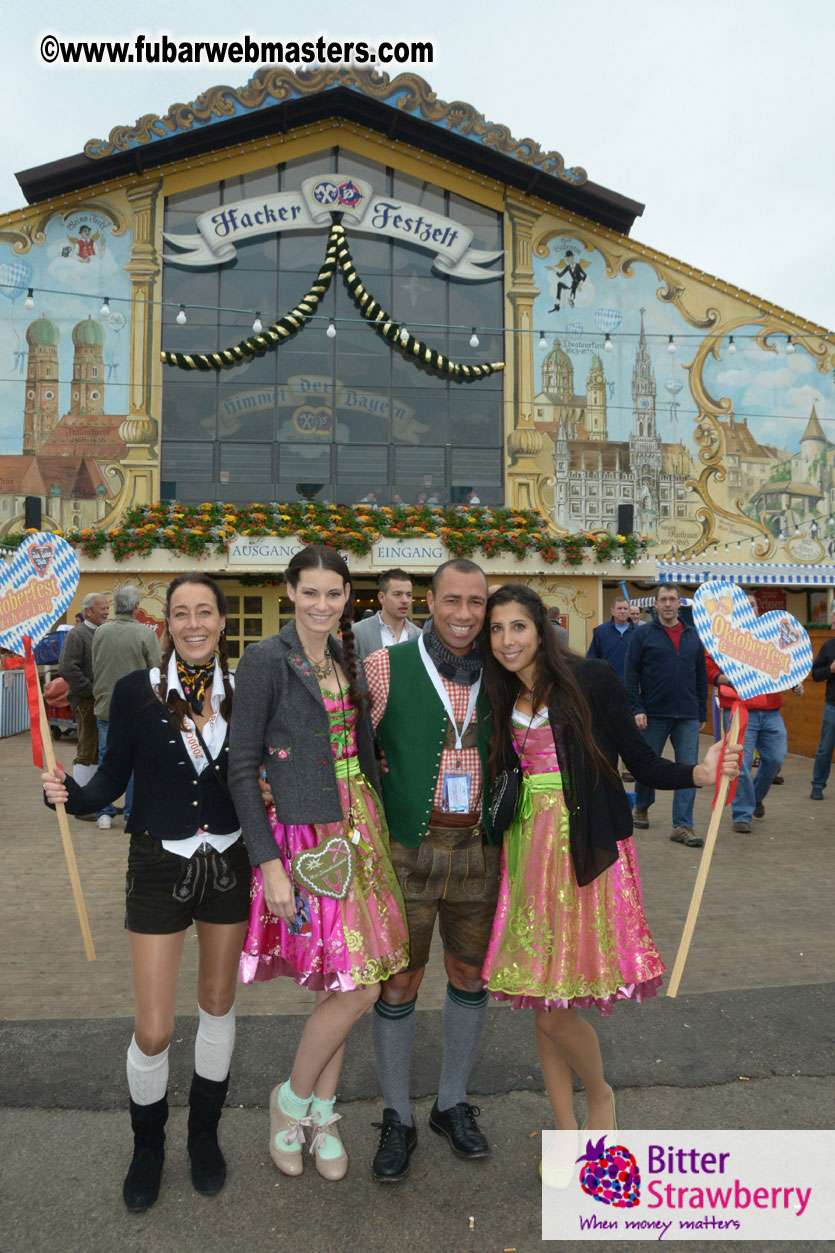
(642, 398)
(65, 363)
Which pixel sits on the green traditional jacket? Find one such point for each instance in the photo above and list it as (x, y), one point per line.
(412, 734)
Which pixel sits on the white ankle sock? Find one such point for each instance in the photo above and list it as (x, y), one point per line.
(147, 1076)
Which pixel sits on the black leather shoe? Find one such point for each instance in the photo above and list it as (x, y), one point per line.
(460, 1128)
(397, 1144)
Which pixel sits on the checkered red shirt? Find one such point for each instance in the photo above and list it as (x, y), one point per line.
(378, 674)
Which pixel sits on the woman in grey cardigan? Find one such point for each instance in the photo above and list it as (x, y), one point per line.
(326, 908)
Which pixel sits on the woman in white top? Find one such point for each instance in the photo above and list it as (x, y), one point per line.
(187, 863)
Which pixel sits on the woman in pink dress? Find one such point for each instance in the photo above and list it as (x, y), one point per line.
(570, 931)
(330, 920)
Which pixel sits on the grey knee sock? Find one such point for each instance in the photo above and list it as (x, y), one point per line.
(462, 1018)
(393, 1032)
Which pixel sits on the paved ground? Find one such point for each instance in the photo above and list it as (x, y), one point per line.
(748, 1043)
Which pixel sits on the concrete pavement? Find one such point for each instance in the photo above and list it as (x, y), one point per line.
(748, 1043)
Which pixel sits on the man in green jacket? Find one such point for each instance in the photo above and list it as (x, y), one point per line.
(424, 707)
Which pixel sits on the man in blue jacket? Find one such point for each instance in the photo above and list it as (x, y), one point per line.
(610, 640)
(666, 680)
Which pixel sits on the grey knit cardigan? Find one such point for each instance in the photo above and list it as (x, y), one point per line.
(279, 721)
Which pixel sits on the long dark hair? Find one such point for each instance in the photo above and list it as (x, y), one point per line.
(178, 707)
(556, 685)
(320, 557)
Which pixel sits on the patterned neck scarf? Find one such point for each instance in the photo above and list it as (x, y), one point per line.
(462, 670)
(196, 681)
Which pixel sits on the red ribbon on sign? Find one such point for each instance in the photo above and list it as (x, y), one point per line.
(30, 670)
(737, 707)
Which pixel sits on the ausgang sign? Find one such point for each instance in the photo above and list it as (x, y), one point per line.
(221, 229)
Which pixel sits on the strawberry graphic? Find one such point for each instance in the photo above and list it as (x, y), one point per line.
(610, 1175)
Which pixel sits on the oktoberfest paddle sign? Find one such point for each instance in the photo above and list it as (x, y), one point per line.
(35, 590)
(760, 656)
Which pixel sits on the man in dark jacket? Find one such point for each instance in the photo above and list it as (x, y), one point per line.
(666, 680)
(75, 665)
(823, 671)
(610, 640)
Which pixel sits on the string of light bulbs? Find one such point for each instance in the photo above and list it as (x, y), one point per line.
(793, 341)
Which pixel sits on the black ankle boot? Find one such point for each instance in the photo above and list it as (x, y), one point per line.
(141, 1186)
(208, 1169)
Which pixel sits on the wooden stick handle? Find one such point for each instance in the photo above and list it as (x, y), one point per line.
(66, 839)
(704, 866)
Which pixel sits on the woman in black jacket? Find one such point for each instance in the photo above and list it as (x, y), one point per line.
(187, 863)
(570, 930)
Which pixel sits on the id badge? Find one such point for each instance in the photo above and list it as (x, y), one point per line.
(456, 798)
(301, 923)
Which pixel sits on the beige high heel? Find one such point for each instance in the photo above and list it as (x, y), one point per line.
(285, 1130)
(332, 1168)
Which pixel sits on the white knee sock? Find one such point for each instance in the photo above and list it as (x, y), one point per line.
(147, 1076)
(214, 1044)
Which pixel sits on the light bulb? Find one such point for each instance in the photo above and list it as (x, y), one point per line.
(404, 335)
(181, 316)
(331, 331)
(474, 339)
(257, 325)
(543, 342)
(671, 346)
(607, 343)
(790, 345)
(104, 311)
(731, 347)
(29, 302)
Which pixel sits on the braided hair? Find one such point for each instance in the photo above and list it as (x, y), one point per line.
(320, 557)
(179, 708)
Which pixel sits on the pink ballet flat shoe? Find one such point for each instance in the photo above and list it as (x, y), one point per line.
(284, 1133)
(332, 1168)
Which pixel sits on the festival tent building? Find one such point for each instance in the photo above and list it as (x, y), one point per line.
(329, 304)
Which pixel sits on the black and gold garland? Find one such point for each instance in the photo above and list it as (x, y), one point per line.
(393, 331)
(337, 256)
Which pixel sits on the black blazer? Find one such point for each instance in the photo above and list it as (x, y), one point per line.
(599, 813)
(170, 800)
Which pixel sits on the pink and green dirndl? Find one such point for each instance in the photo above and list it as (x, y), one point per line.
(334, 945)
(554, 944)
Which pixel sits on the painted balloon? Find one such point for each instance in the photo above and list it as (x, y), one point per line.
(15, 279)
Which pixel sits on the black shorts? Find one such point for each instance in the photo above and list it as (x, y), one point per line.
(165, 893)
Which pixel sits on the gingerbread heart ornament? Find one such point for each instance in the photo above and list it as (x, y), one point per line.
(326, 870)
(36, 588)
(771, 653)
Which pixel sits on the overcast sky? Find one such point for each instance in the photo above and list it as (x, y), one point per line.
(716, 115)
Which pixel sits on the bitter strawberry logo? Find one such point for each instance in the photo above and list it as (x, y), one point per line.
(610, 1175)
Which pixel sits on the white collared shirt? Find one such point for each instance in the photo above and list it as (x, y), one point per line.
(214, 734)
(387, 635)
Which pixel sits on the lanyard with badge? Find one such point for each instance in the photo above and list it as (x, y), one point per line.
(458, 784)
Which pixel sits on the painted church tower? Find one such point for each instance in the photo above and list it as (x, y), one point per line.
(87, 389)
(40, 408)
(644, 443)
(596, 401)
